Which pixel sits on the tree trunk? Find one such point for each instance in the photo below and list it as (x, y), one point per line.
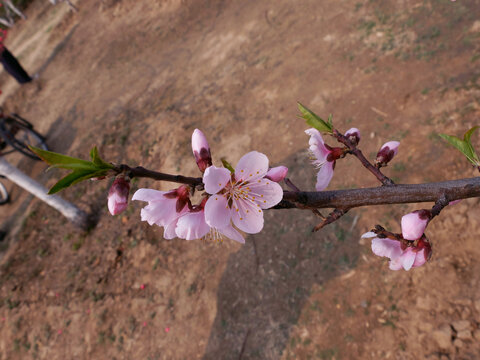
(67, 209)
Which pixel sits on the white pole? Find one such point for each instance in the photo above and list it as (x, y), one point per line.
(67, 209)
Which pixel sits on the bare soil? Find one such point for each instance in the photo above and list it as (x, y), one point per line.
(136, 77)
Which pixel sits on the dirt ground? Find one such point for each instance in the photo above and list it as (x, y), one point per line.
(136, 78)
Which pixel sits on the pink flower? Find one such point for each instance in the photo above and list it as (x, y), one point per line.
(240, 197)
(277, 174)
(402, 254)
(324, 158)
(414, 224)
(164, 207)
(387, 152)
(353, 135)
(201, 150)
(118, 196)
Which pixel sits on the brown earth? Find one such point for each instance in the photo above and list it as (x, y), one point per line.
(136, 77)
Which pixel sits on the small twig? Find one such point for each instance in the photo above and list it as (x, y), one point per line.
(291, 185)
(332, 217)
(319, 214)
(439, 205)
(379, 112)
(358, 154)
(145, 173)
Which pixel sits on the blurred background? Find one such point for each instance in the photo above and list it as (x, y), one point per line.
(135, 78)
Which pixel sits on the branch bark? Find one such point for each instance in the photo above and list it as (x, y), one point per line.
(394, 194)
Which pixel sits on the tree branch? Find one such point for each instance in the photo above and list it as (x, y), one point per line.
(395, 194)
(145, 173)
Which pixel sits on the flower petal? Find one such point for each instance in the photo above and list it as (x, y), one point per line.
(414, 224)
(251, 166)
(265, 193)
(324, 176)
(231, 233)
(247, 216)
(387, 247)
(277, 174)
(215, 179)
(368, 235)
(420, 258)
(317, 146)
(169, 230)
(160, 212)
(192, 226)
(149, 195)
(217, 212)
(408, 258)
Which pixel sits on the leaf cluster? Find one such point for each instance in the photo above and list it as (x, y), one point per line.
(464, 146)
(80, 169)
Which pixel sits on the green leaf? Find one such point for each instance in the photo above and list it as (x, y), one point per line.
(97, 160)
(316, 121)
(227, 165)
(73, 178)
(463, 146)
(63, 161)
(466, 138)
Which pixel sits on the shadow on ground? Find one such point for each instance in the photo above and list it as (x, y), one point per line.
(268, 282)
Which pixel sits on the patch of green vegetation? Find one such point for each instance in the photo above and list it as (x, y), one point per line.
(367, 26)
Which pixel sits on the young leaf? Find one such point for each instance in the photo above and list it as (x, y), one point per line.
(97, 160)
(227, 165)
(466, 138)
(463, 146)
(316, 121)
(63, 161)
(73, 178)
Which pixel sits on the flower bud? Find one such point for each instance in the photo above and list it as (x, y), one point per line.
(353, 135)
(277, 173)
(201, 150)
(387, 152)
(414, 224)
(118, 196)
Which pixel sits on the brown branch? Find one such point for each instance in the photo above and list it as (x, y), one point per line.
(332, 217)
(359, 155)
(141, 172)
(396, 194)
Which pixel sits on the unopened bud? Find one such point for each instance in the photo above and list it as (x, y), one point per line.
(353, 135)
(201, 150)
(387, 152)
(414, 224)
(118, 196)
(277, 173)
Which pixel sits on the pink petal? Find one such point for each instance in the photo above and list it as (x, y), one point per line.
(169, 230)
(215, 179)
(199, 141)
(324, 176)
(149, 195)
(395, 264)
(117, 203)
(408, 258)
(192, 226)
(387, 247)
(160, 212)
(368, 235)
(317, 146)
(230, 232)
(217, 212)
(392, 145)
(277, 173)
(251, 166)
(247, 216)
(413, 225)
(420, 258)
(265, 193)
(454, 202)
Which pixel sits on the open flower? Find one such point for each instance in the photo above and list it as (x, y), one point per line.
(118, 195)
(164, 207)
(324, 158)
(401, 255)
(192, 225)
(240, 197)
